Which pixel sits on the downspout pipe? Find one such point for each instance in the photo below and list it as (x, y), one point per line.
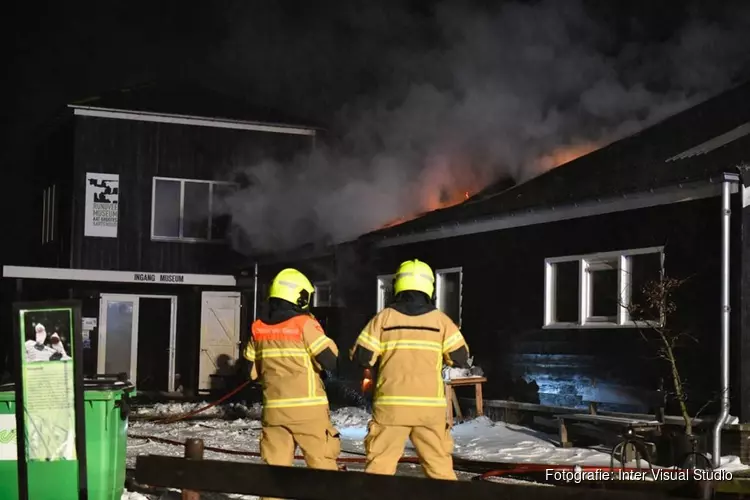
(255, 292)
(726, 190)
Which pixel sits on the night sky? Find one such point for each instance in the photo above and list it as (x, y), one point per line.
(309, 59)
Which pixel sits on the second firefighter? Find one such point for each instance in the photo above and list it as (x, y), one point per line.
(411, 339)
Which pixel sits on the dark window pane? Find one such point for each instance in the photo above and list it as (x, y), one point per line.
(566, 292)
(323, 295)
(604, 293)
(220, 218)
(167, 208)
(195, 223)
(450, 299)
(645, 269)
(386, 285)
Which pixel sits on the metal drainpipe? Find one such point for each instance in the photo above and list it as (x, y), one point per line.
(255, 293)
(725, 217)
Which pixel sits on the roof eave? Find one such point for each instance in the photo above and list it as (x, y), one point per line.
(675, 193)
(126, 114)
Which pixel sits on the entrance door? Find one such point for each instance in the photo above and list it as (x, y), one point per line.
(220, 338)
(154, 320)
(118, 335)
(141, 345)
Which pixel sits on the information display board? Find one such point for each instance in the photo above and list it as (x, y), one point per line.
(50, 419)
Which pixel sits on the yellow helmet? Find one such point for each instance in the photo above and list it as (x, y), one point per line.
(414, 275)
(292, 286)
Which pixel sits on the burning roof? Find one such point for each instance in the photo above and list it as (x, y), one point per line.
(440, 188)
(659, 156)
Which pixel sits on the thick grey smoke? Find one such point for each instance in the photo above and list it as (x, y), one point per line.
(508, 94)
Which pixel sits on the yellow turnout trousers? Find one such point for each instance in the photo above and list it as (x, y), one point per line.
(318, 439)
(384, 445)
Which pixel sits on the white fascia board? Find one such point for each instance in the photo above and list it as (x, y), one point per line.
(666, 196)
(146, 116)
(56, 273)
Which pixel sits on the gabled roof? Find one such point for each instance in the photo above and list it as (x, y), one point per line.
(694, 145)
(187, 99)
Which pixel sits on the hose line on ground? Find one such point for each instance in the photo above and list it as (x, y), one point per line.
(510, 469)
(345, 460)
(177, 418)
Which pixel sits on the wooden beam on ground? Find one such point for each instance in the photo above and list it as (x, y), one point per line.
(308, 484)
(538, 408)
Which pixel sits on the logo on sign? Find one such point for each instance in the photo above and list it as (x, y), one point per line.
(7, 436)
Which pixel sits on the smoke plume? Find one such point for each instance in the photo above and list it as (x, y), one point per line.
(483, 96)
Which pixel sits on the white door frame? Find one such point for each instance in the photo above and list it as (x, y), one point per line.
(135, 299)
(238, 318)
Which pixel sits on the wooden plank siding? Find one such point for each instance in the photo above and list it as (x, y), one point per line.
(503, 303)
(138, 151)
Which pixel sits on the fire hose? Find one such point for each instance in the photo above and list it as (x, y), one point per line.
(366, 387)
(504, 469)
(460, 464)
(244, 453)
(171, 420)
(496, 469)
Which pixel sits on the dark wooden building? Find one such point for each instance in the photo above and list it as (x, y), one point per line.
(540, 275)
(129, 219)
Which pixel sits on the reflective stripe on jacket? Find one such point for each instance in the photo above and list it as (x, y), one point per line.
(412, 350)
(284, 357)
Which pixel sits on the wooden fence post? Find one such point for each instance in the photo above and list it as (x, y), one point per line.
(193, 451)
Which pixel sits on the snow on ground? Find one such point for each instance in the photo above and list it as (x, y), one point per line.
(478, 439)
(177, 495)
(170, 410)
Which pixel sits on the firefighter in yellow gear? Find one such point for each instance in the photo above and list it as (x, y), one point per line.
(287, 351)
(412, 340)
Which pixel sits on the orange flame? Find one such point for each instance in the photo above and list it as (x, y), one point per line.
(444, 184)
(565, 154)
(448, 180)
(366, 385)
(367, 381)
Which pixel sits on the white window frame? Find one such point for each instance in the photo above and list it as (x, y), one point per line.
(182, 182)
(49, 214)
(587, 264)
(316, 298)
(382, 282)
(439, 273)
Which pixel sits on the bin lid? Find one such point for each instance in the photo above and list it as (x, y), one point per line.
(103, 382)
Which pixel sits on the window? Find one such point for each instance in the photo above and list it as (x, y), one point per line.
(596, 291)
(189, 210)
(448, 287)
(49, 214)
(323, 296)
(385, 290)
(603, 298)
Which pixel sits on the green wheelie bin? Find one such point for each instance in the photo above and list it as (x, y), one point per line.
(106, 403)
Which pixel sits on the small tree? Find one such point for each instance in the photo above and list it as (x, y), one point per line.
(652, 315)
